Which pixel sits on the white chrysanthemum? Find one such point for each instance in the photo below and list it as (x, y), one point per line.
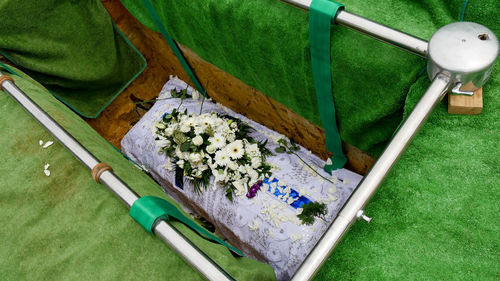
(221, 158)
(218, 141)
(198, 140)
(190, 122)
(207, 121)
(235, 149)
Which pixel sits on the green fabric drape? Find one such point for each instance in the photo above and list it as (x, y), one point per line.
(321, 15)
(71, 47)
(68, 227)
(175, 49)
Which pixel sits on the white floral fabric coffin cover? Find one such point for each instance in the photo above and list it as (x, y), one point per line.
(264, 227)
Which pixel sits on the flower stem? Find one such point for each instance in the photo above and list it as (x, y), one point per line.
(308, 165)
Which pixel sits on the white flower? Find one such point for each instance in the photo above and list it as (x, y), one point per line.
(169, 131)
(198, 140)
(185, 128)
(207, 121)
(221, 158)
(47, 144)
(232, 165)
(162, 143)
(168, 166)
(180, 163)
(256, 162)
(195, 158)
(240, 188)
(230, 137)
(235, 149)
(210, 149)
(252, 149)
(160, 125)
(218, 141)
(195, 95)
(198, 129)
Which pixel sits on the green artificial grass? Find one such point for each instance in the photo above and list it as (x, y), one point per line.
(68, 227)
(265, 44)
(72, 47)
(436, 215)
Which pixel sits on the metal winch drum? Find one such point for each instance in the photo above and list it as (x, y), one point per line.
(465, 52)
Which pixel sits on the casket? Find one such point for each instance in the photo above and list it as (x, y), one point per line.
(433, 217)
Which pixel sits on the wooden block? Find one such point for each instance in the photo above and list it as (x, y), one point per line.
(470, 105)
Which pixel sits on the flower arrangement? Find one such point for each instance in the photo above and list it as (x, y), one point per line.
(210, 144)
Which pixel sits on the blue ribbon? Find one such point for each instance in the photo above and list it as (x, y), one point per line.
(302, 200)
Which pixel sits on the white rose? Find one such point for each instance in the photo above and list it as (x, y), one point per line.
(198, 140)
(210, 149)
(180, 163)
(185, 129)
(195, 157)
(169, 131)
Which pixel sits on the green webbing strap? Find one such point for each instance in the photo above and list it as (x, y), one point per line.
(10, 70)
(148, 209)
(321, 13)
(159, 24)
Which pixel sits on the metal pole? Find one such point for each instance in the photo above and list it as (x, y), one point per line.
(373, 29)
(190, 252)
(370, 183)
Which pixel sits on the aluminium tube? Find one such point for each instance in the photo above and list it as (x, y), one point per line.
(373, 179)
(373, 29)
(192, 254)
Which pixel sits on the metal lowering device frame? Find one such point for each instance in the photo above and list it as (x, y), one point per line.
(460, 57)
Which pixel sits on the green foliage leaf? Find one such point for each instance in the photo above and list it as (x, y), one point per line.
(185, 146)
(312, 210)
(280, 149)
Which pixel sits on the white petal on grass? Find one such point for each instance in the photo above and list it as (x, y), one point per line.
(47, 172)
(40, 142)
(47, 165)
(47, 144)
